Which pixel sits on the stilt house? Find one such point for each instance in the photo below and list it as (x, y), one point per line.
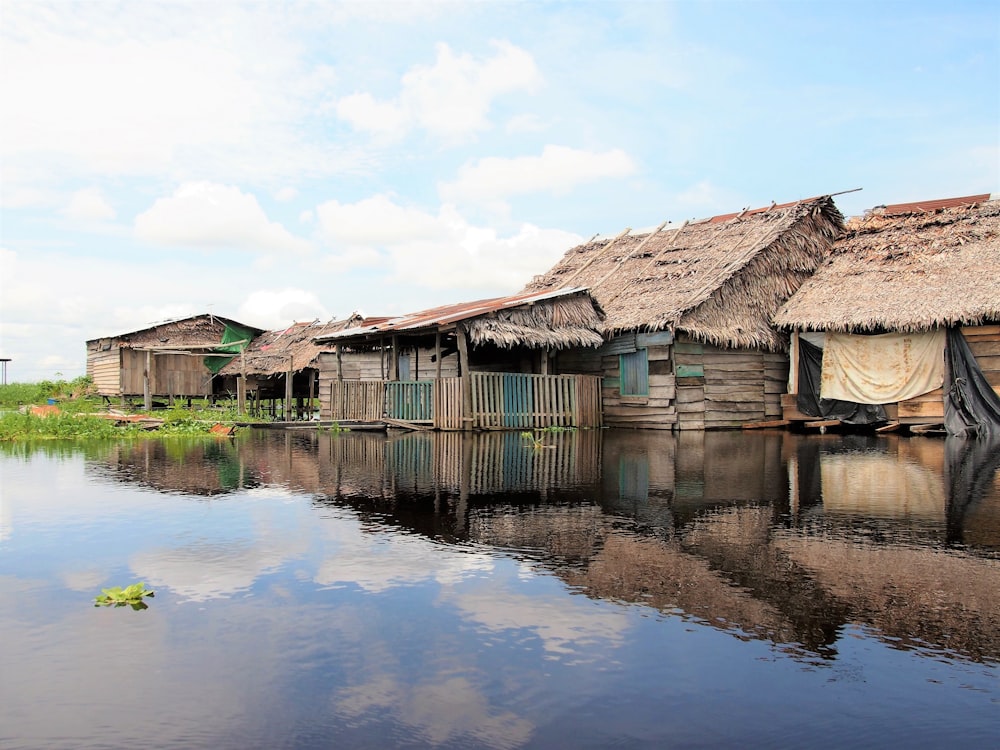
(277, 374)
(689, 342)
(172, 359)
(474, 365)
(906, 285)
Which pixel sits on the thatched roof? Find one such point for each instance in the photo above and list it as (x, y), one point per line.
(906, 272)
(553, 319)
(195, 330)
(269, 353)
(720, 280)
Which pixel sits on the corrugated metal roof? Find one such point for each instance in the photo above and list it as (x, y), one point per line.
(932, 205)
(446, 314)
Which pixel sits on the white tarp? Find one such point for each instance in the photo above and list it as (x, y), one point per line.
(882, 369)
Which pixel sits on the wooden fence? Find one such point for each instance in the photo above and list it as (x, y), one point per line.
(481, 400)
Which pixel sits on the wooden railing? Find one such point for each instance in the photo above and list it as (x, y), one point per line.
(481, 400)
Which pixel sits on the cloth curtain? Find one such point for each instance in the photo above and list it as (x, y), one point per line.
(882, 369)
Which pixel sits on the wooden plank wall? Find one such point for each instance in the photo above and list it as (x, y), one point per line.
(503, 400)
(105, 370)
(656, 410)
(722, 388)
(172, 374)
(354, 400)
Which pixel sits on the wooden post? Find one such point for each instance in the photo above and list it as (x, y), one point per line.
(340, 363)
(394, 370)
(288, 388)
(312, 390)
(381, 358)
(463, 369)
(147, 393)
(545, 362)
(241, 386)
(437, 354)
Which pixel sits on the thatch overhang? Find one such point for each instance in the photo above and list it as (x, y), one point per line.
(273, 352)
(719, 280)
(937, 264)
(540, 320)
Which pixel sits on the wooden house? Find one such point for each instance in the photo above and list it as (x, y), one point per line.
(869, 330)
(474, 365)
(277, 374)
(689, 341)
(172, 359)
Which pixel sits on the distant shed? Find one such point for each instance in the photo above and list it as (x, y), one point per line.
(894, 284)
(172, 359)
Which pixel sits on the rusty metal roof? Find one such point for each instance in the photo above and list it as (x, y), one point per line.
(933, 205)
(445, 315)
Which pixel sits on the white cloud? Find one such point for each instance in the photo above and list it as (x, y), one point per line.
(89, 204)
(450, 98)
(160, 88)
(438, 251)
(377, 221)
(275, 308)
(286, 194)
(205, 214)
(479, 258)
(557, 169)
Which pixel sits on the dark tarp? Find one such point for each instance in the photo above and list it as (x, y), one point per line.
(971, 406)
(809, 401)
(971, 468)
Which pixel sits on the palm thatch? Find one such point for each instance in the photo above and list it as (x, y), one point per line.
(559, 323)
(556, 320)
(905, 272)
(273, 352)
(719, 280)
(195, 331)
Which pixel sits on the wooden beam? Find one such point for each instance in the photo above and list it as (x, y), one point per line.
(288, 387)
(147, 394)
(463, 370)
(766, 425)
(394, 370)
(437, 353)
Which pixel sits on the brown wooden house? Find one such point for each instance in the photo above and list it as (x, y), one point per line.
(172, 359)
(689, 341)
(875, 315)
(474, 365)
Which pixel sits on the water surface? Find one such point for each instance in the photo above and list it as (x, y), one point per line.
(605, 589)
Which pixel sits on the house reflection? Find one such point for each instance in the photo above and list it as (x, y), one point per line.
(788, 538)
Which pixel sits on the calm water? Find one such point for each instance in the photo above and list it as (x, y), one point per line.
(427, 590)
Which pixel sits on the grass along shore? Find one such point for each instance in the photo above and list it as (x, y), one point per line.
(69, 410)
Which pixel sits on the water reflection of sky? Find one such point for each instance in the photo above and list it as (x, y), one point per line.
(287, 617)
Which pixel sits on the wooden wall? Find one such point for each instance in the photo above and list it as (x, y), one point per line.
(171, 374)
(104, 368)
(692, 386)
(721, 388)
(657, 409)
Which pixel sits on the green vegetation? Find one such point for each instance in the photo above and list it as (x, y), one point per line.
(72, 395)
(131, 596)
(78, 414)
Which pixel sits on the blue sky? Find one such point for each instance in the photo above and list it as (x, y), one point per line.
(280, 162)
